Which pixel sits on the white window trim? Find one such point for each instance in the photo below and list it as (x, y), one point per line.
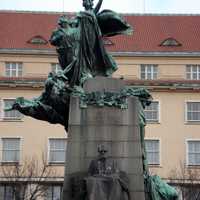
(3, 112)
(17, 68)
(198, 78)
(1, 109)
(160, 151)
(159, 113)
(20, 149)
(48, 150)
(52, 189)
(186, 120)
(187, 151)
(146, 65)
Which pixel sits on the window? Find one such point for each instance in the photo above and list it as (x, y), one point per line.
(170, 42)
(193, 152)
(193, 72)
(37, 40)
(13, 69)
(152, 112)
(6, 192)
(152, 150)
(13, 114)
(149, 72)
(107, 41)
(193, 111)
(54, 193)
(10, 149)
(57, 150)
(55, 67)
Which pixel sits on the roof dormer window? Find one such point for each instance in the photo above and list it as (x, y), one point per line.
(170, 42)
(107, 41)
(37, 40)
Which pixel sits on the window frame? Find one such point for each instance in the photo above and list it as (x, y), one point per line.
(5, 186)
(170, 42)
(186, 111)
(38, 40)
(191, 74)
(187, 152)
(20, 149)
(48, 155)
(52, 190)
(3, 112)
(10, 70)
(159, 114)
(146, 71)
(159, 152)
(1, 109)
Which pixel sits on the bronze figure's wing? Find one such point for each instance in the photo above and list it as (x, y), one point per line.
(112, 24)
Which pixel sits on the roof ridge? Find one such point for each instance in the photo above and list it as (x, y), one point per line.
(35, 12)
(161, 14)
(150, 31)
(127, 14)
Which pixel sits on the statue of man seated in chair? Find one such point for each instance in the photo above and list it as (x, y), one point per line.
(105, 181)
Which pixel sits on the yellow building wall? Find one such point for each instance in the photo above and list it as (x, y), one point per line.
(34, 134)
(169, 68)
(129, 67)
(172, 130)
(32, 66)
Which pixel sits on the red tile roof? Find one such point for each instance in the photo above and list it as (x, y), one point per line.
(16, 28)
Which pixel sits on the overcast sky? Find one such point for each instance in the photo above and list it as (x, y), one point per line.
(124, 6)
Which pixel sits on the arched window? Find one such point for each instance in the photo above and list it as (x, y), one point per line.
(38, 40)
(170, 42)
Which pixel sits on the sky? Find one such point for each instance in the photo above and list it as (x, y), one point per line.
(123, 6)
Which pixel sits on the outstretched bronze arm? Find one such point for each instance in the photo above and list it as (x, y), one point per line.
(98, 6)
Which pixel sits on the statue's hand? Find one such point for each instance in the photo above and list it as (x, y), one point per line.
(15, 106)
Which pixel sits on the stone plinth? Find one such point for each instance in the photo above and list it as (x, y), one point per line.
(117, 128)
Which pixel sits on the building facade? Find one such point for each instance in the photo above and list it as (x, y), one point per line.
(162, 55)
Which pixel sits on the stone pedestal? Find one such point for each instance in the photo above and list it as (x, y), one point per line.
(117, 128)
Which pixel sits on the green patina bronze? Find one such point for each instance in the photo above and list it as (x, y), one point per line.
(111, 99)
(53, 104)
(82, 55)
(156, 188)
(80, 46)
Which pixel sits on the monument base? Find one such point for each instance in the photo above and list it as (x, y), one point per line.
(117, 129)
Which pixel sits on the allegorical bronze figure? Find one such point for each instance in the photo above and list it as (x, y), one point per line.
(81, 54)
(79, 42)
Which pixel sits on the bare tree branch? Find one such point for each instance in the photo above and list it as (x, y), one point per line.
(188, 180)
(28, 178)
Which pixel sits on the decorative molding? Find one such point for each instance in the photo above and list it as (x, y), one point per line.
(52, 52)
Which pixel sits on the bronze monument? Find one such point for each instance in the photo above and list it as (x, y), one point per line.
(96, 112)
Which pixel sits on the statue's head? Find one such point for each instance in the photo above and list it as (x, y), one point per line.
(88, 4)
(102, 150)
(63, 21)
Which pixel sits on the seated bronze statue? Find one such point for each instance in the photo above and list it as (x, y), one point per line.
(104, 181)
